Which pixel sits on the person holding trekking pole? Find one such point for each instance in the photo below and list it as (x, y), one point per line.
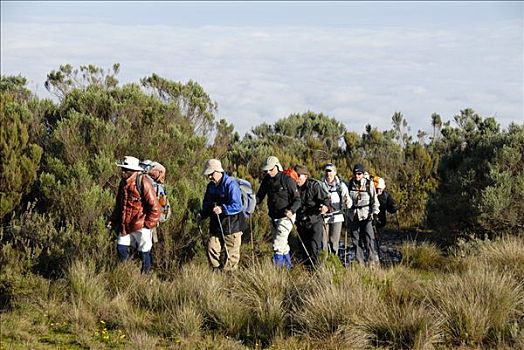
(222, 204)
(283, 201)
(362, 213)
(339, 202)
(310, 223)
(136, 213)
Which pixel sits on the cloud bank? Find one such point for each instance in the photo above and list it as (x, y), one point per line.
(263, 73)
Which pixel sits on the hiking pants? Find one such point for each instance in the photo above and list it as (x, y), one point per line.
(363, 239)
(280, 229)
(311, 236)
(331, 239)
(214, 248)
(142, 240)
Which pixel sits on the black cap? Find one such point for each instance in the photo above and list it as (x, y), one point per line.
(358, 168)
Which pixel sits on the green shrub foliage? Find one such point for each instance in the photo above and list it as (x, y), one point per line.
(58, 165)
(20, 155)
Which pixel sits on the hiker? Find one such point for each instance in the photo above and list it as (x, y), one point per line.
(339, 203)
(283, 201)
(310, 224)
(364, 210)
(135, 215)
(387, 204)
(223, 205)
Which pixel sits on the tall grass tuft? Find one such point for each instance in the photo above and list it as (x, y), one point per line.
(262, 291)
(332, 306)
(505, 255)
(87, 285)
(208, 301)
(408, 325)
(425, 256)
(478, 307)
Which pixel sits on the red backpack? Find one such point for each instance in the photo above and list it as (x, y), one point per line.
(291, 173)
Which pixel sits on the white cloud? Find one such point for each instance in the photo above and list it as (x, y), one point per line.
(263, 73)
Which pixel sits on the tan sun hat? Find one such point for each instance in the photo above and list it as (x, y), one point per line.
(211, 166)
(272, 162)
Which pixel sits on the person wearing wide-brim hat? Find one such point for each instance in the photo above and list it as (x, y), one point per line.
(283, 202)
(222, 204)
(136, 213)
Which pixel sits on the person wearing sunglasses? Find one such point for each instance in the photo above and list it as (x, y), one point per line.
(364, 210)
(283, 201)
(339, 202)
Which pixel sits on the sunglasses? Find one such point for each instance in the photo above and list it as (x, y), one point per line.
(358, 173)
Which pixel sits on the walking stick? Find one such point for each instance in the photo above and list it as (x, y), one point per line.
(223, 236)
(377, 240)
(346, 247)
(307, 253)
(252, 244)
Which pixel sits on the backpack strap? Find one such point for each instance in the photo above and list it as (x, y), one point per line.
(139, 185)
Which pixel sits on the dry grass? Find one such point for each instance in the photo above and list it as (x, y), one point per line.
(505, 255)
(479, 307)
(425, 256)
(416, 305)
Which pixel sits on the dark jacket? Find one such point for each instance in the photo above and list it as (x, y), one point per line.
(387, 203)
(312, 194)
(225, 194)
(282, 195)
(131, 212)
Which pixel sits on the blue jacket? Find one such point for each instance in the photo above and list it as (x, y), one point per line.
(227, 195)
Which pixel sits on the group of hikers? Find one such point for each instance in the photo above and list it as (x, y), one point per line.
(318, 208)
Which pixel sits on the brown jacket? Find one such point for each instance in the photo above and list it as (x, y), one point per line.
(131, 212)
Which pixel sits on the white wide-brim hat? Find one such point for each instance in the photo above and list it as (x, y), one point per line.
(130, 163)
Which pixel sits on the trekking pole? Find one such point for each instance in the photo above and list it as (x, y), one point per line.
(223, 236)
(377, 240)
(307, 253)
(398, 222)
(346, 247)
(252, 244)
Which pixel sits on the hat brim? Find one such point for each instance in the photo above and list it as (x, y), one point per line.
(129, 167)
(210, 171)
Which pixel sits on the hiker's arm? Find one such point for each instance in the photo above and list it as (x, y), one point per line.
(262, 191)
(207, 205)
(323, 196)
(116, 215)
(152, 208)
(374, 200)
(234, 199)
(346, 198)
(391, 205)
(296, 202)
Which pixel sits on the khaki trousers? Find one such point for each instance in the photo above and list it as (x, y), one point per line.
(214, 248)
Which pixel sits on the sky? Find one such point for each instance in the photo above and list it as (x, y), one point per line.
(358, 62)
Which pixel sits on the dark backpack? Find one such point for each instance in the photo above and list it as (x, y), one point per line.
(249, 199)
(156, 174)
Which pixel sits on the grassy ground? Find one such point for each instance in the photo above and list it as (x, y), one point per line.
(470, 299)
